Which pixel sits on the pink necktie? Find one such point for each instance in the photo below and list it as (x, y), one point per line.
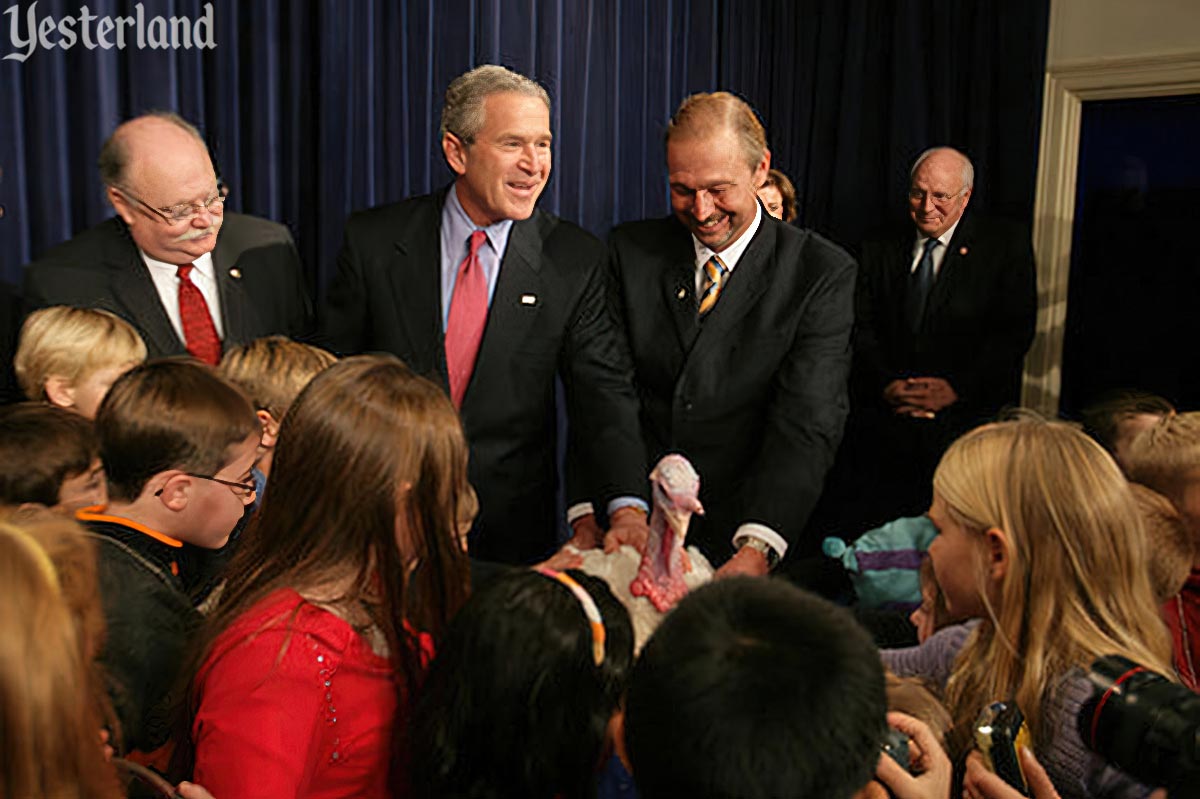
(199, 333)
(468, 315)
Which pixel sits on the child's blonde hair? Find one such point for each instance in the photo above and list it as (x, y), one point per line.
(1166, 456)
(50, 744)
(1077, 582)
(273, 370)
(1168, 542)
(72, 343)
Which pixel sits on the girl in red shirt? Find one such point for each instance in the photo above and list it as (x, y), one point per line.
(309, 658)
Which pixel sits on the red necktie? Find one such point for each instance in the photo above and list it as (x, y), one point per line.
(468, 315)
(199, 333)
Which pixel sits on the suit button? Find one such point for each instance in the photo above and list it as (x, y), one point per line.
(687, 406)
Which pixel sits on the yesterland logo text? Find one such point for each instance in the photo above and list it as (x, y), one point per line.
(27, 33)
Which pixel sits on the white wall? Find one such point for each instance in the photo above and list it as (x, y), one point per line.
(1086, 30)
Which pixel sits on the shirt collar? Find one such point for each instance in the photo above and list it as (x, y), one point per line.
(733, 253)
(203, 264)
(461, 226)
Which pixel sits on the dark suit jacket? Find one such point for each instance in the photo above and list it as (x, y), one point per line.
(755, 395)
(101, 268)
(547, 317)
(978, 323)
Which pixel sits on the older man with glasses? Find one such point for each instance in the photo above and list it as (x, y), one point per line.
(190, 275)
(945, 314)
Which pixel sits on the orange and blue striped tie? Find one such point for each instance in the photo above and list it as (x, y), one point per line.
(715, 274)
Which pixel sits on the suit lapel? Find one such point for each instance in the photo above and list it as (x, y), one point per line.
(679, 294)
(954, 267)
(134, 290)
(519, 293)
(416, 285)
(745, 284)
(235, 305)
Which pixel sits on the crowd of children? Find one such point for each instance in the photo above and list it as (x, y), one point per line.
(253, 579)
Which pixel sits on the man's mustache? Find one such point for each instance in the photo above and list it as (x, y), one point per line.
(196, 233)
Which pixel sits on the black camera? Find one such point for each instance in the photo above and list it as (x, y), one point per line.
(1144, 724)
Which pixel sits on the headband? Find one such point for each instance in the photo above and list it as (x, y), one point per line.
(590, 610)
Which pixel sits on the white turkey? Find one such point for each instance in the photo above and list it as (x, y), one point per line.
(650, 584)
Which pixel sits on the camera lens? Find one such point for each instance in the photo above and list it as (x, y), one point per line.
(1143, 723)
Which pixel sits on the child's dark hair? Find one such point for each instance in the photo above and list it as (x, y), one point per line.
(41, 446)
(168, 414)
(754, 688)
(514, 703)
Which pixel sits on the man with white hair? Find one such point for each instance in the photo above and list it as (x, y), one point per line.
(189, 274)
(945, 313)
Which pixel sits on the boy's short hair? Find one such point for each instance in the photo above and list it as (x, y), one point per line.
(1166, 457)
(273, 370)
(41, 446)
(1102, 418)
(1169, 545)
(754, 688)
(169, 414)
(72, 343)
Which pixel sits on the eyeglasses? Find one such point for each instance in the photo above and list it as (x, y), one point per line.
(183, 212)
(938, 197)
(239, 489)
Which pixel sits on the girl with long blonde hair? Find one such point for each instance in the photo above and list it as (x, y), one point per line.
(49, 722)
(1040, 538)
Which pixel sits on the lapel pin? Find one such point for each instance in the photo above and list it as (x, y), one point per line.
(681, 293)
(529, 299)
(962, 250)
(235, 273)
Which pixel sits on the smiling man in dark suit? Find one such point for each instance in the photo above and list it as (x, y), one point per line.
(188, 274)
(740, 329)
(478, 289)
(946, 312)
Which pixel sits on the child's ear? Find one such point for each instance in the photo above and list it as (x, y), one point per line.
(171, 489)
(270, 427)
(998, 558)
(60, 391)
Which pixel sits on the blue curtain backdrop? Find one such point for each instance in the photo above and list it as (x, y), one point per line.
(315, 108)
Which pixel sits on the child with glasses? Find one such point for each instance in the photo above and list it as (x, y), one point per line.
(345, 578)
(70, 356)
(520, 697)
(177, 443)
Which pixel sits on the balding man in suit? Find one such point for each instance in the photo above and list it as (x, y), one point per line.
(190, 275)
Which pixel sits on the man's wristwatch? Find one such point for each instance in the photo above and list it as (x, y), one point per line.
(763, 548)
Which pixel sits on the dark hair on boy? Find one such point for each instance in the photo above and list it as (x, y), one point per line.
(168, 414)
(1102, 418)
(755, 688)
(514, 703)
(41, 446)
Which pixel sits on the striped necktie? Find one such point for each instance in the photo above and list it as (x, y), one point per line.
(715, 275)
